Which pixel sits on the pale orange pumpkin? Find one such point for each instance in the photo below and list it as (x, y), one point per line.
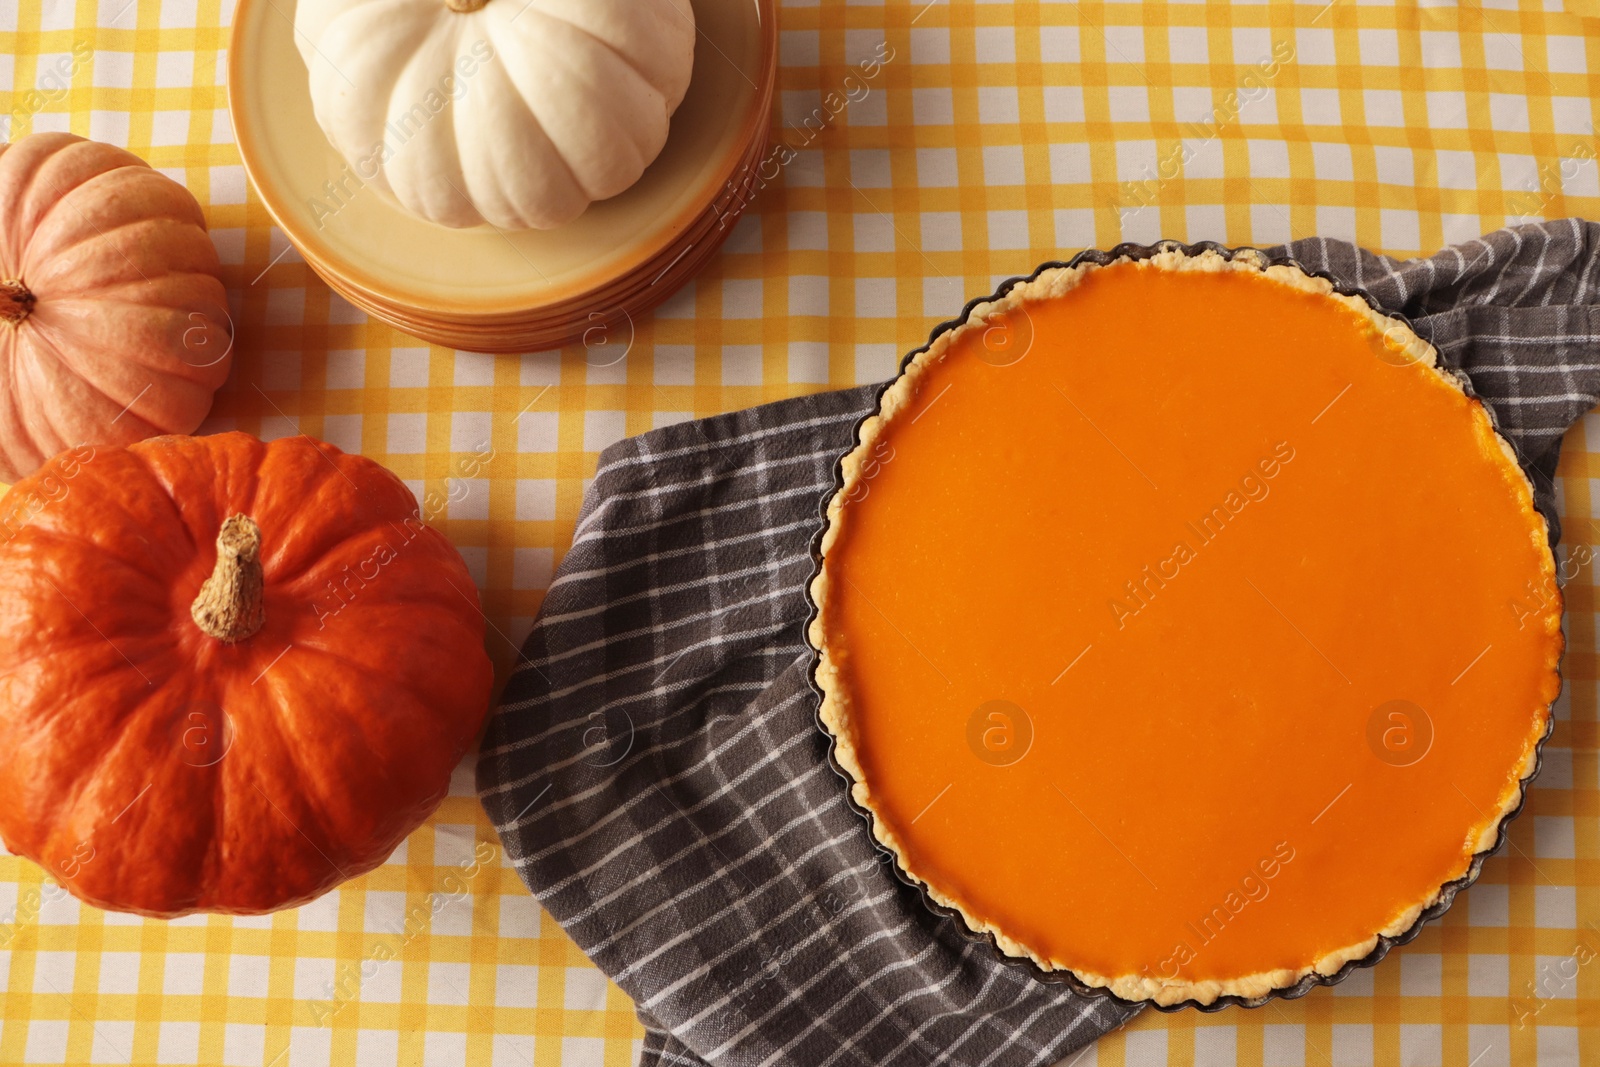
(232, 673)
(113, 319)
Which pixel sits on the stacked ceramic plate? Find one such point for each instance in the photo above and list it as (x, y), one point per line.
(485, 289)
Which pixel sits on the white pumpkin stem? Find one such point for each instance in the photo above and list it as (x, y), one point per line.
(464, 7)
(229, 606)
(15, 301)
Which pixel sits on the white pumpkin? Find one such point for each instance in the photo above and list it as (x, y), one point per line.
(519, 113)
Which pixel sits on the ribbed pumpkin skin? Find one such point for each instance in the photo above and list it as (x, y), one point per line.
(517, 114)
(128, 335)
(340, 746)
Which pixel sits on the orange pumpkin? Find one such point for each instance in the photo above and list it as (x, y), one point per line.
(232, 674)
(113, 321)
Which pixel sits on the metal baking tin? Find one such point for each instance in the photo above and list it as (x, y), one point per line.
(1447, 892)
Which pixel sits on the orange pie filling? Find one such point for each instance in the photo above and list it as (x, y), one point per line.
(1183, 626)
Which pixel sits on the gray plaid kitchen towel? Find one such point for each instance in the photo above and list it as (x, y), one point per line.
(656, 773)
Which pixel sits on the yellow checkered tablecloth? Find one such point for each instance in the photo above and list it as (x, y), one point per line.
(997, 135)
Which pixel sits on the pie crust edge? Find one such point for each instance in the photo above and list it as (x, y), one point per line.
(834, 711)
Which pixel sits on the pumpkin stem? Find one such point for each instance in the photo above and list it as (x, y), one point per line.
(464, 7)
(15, 301)
(229, 606)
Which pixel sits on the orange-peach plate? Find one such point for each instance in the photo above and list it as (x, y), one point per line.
(1184, 627)
(486, 289)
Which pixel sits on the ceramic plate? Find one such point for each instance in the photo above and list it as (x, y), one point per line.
(485, 280)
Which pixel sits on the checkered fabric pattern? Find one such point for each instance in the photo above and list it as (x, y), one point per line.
(995, 136)
(656, 773)
(657, 776)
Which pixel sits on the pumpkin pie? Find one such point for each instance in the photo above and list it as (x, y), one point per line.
(1184, 626)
